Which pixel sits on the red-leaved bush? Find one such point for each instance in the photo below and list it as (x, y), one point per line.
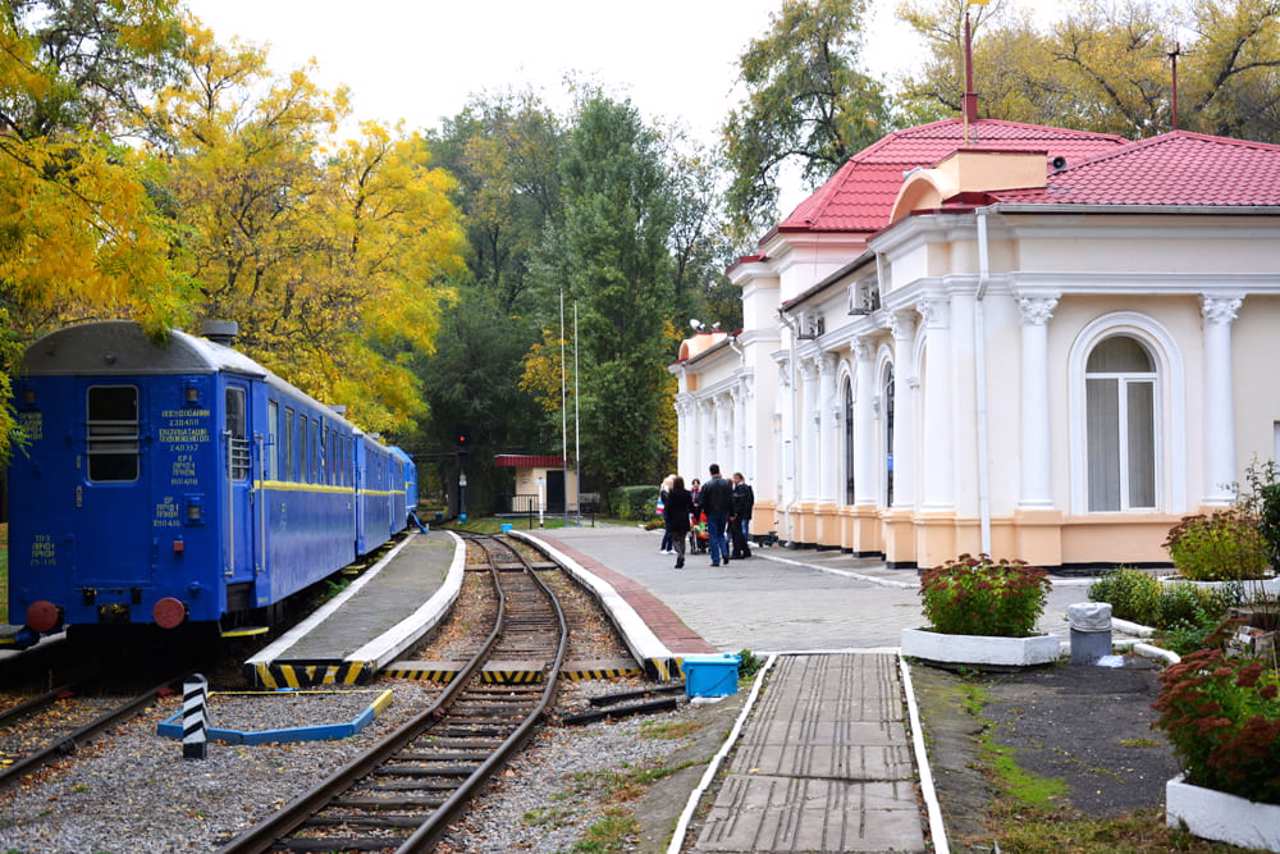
(979, 596)
(1223, 718)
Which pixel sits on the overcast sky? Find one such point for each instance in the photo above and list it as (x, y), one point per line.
(419, 61)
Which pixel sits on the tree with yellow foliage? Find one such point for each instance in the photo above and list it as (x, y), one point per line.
(82, 236)
(332, 256)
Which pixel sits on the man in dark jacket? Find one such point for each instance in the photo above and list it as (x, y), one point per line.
(744, 500)
(716, 498)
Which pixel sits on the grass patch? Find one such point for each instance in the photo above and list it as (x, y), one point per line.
(547, 817)
(1141, 832)
(615, 831)
(1028, 789)
(1139, 742)
(669, 730)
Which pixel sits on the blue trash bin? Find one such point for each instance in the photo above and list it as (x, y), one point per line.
(505, 527)
(711, 675)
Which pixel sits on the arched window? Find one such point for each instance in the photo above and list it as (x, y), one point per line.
(888, 436)
(1120, 425)
(847, 398)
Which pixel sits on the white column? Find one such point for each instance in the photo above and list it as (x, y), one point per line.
(828, 463)
(904, 419)
(727, 431)
(809, 431)
(749, 430)
(680, 447)
(864, 423)
(707, 438)
(1037, 454)
(739, 397)
(1219, 402)
(938, 456)
(786, 434)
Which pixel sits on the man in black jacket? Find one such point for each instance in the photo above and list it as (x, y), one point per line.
(744, 500)
(716, 498)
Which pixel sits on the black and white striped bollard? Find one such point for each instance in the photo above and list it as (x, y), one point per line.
(195, 717)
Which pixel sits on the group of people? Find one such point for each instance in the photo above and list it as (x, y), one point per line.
(717, 506)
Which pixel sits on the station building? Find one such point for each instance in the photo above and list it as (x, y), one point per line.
(996, 337)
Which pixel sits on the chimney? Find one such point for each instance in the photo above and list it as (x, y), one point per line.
(970, 96)
(222, 332)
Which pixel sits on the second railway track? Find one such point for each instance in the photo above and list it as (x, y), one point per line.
(403, 793)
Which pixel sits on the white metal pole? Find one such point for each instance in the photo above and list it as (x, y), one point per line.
(564, 415)
(577, 436)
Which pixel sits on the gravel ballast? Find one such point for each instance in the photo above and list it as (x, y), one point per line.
(131, 791)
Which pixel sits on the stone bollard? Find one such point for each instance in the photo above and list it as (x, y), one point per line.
(1090, 631)
(195, 717)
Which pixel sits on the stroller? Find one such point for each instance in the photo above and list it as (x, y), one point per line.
(699, 535)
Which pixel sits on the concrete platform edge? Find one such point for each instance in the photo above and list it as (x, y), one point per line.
(847, 573)
(278, 647)
(383, 649)
(645, 646)
(937, 830)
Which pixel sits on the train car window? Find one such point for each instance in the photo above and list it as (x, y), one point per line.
(324, 454)
(113, 433)
(236, 425)
(315, 451)
(288, 443)
(303, 474)
(272, 465)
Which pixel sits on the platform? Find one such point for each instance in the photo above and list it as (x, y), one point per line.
(654, 634)
(362, 629)
(824, 763)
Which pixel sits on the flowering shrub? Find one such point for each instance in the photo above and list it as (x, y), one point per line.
(1224, 546)
(978, 596)
(1223, 718)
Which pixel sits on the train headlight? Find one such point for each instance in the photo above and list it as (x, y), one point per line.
(191, 394)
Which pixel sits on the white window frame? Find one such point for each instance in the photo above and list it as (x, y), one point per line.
(1169, 403)
(1123, 380)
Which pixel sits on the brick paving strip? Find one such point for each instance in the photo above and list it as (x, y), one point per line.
(824, 763)
(662, 621)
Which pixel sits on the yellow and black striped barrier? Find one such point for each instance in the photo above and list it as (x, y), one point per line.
(423, 671)
(665, 669)
(276, 675)
(585, 671)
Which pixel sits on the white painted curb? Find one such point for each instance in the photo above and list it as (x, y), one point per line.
(937, 829)
(977, 649)
(686, 815)
(379, 652)
(846, 573)
(277, 648)
(1136, 629)
(644, 644)
(1149, 651)
(1222, 817)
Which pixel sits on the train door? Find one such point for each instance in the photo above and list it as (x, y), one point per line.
(113, 490)
(237, 470)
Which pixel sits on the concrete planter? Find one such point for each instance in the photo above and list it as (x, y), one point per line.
(1270, 586)
(1216, 815)
(977, 649)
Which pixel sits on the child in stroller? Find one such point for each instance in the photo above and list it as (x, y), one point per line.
(699, 535)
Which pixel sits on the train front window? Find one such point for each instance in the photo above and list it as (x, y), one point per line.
(113, 433)
(236, 426)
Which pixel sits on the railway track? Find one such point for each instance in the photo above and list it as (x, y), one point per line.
(16, 763)
(403, 793)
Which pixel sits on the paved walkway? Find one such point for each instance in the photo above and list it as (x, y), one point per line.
(397, 591)
(767, 604)
(824, 764)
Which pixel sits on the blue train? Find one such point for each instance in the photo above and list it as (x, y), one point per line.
(180, 483)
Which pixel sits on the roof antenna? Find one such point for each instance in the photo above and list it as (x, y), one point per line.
(1173, 57)
(970, 96)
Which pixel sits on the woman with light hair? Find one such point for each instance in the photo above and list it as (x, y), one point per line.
(664, 491)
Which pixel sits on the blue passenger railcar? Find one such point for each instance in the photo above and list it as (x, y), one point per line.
(176, 481)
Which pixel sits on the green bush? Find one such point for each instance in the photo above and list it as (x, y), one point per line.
(1261, 501)
(978, 596)
(633, 502)
(1225, 546)
(1133, 595)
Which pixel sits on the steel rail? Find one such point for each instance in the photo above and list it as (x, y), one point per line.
(67, 744)
(15, 713)
(264, 835)
(426, 836)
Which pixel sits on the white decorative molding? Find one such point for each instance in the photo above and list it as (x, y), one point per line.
(1170, 404)
(1036, 311)
(1219, 309)
(863, 347)
(936, 311)
(902, 324)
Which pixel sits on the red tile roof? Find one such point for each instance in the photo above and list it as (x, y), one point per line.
(528, 461)
(860, 195)
(1178, 168)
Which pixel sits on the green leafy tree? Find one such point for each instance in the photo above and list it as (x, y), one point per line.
(611, 254)
(808, 100)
